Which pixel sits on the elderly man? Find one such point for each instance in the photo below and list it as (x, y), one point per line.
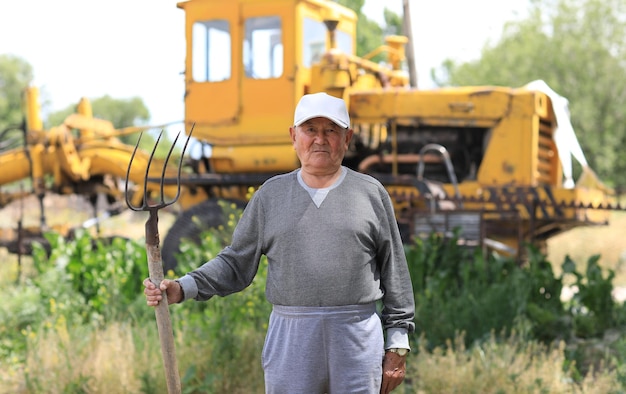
(333, 250)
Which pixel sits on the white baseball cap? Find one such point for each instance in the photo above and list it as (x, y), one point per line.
(321, 105)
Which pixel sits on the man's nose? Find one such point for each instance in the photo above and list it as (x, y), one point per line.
(320, 137)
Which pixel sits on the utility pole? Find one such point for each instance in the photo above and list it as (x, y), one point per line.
(410, 52)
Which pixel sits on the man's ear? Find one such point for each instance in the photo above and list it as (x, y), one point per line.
(349, 134)
(292, 134)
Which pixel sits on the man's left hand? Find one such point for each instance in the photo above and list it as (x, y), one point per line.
(394, 369)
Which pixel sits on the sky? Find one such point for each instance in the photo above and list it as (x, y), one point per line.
(136, 48)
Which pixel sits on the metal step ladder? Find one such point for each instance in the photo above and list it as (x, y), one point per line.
(445, 214)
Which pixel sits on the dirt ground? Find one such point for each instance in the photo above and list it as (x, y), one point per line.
(64, 213)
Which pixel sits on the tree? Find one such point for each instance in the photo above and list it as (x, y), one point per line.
(120, 112)
(15, 75)
(370, 35)
(577, 47)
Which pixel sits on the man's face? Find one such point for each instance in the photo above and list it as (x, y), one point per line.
(320, 144)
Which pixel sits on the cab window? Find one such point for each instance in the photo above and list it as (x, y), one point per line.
(263, 47)
(211, 42)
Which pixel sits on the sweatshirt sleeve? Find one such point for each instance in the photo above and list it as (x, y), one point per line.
(398, 299)
(234, 268)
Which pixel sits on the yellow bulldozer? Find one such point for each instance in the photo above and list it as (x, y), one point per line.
(481, 163)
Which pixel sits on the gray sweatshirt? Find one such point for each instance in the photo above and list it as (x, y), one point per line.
(347, 251)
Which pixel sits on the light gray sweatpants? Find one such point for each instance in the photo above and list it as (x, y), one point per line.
(316, 350)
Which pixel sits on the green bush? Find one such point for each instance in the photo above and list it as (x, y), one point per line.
(592, 306)
(106, 275)
(460, 290)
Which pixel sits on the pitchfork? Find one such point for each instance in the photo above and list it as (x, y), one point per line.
(155, 262)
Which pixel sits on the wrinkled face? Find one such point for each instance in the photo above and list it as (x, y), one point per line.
(320, 144)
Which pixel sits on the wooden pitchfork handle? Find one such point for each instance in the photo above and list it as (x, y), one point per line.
(162, 312)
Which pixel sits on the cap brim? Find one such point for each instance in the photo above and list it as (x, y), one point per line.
(334, 120)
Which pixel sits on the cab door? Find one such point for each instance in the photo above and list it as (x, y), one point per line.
(267, 81)
(211, 82)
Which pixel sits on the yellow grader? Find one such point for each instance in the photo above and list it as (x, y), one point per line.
(481, 160)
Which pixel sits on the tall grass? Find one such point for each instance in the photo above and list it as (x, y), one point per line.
(81, 359)
(123, 359)
(510, 365)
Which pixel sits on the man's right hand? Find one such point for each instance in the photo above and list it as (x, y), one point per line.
(154, 294)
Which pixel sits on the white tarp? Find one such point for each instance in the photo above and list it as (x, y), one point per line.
(564, 136)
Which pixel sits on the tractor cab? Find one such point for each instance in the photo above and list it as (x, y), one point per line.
(247, 64)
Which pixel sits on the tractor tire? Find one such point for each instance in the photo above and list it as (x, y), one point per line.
(189, 225)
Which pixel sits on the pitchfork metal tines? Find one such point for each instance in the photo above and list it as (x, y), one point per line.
(148, 203)
(146, 206)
